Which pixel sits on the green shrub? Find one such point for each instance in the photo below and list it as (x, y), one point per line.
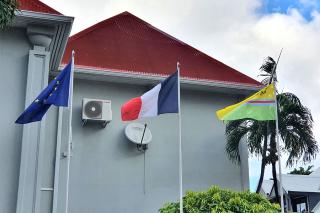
(217, 200)
(7, 9)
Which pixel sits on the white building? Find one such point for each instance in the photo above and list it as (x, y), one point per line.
(301, 192)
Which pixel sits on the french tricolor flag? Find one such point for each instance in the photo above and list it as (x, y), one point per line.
(161, 99)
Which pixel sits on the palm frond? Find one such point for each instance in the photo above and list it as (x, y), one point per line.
(268, 65)
(252, 130)
(256, 134)
(266, 70)
(7, 12)
(295, 127)
(235, 131)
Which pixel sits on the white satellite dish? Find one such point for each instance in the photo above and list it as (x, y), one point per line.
(134, 132)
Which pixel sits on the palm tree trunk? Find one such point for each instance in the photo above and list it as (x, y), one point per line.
(262, 169)
(264, 161)
(274, 159)
(275, 181)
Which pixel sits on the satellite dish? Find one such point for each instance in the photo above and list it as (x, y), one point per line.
(134, 132)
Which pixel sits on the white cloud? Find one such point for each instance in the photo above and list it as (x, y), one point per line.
(230, 31)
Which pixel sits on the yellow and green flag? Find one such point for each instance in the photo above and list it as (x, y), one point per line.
(260, 106)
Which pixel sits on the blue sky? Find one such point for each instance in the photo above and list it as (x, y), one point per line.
(304, 7)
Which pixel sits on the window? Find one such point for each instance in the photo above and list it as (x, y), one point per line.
(301, 207)
(300, 204)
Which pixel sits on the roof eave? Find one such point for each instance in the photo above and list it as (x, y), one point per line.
(304, 191)
(62, 25)
(147, 80)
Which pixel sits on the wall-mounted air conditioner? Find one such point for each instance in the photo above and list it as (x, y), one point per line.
(96, 110)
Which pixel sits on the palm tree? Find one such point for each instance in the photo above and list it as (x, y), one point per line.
(7, 12)
(267, 69)
(295, 128)
(302, 171)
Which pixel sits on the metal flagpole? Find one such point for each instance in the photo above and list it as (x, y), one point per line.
(277, 136)
(70, 132)
(180, 144)
(279, 157)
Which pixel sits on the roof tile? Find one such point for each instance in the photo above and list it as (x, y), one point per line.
(37, 6)
(126, 43)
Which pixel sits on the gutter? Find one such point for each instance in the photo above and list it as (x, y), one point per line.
(144, 79)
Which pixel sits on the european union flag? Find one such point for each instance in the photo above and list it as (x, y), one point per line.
(56, 93)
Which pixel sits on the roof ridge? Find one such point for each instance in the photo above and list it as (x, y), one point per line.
(94, 27)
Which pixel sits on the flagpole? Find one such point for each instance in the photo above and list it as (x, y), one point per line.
(275, 67)
(277, 135)
(279, 157)
(180, 144)
(70, 133)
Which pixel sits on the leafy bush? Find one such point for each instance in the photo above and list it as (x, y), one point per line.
(7, 9)
(217, 200)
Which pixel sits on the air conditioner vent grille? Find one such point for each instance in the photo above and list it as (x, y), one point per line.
(93, 109)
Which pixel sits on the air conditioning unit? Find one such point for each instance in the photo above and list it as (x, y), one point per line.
(97, 110)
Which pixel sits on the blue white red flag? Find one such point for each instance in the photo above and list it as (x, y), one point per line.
(161, 99)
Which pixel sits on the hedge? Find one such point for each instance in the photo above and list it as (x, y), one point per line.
(217, 200)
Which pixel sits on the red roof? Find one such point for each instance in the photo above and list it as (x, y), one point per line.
(36, 6)
(126, 43)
